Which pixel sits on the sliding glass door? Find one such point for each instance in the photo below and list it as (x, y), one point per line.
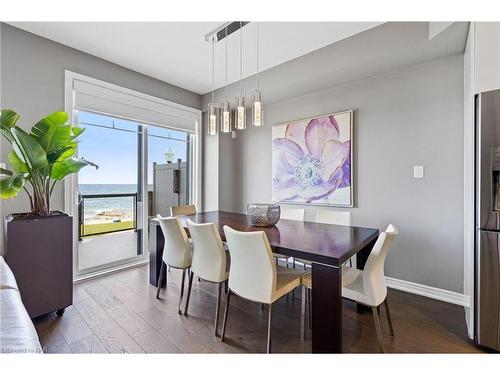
(143, 171)
(110, 222)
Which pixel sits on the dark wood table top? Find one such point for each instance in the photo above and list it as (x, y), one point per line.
(321, 243)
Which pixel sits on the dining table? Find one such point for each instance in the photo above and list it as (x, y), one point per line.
(326, 246)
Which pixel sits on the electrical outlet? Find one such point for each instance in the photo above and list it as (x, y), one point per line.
(418, 171)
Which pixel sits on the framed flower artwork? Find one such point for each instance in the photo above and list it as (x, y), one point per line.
(312, 160)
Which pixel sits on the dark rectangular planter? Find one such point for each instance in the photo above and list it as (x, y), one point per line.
(40, 253)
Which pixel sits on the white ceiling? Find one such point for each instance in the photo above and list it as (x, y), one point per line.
(176, 52)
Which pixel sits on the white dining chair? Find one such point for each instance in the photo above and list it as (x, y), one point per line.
(367, 286)
(334, 217)
(182, 210)
(288, 213)
(177, 251)
(210, 261)
(254, 275)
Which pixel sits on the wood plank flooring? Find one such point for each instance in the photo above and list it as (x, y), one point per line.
(119, 313)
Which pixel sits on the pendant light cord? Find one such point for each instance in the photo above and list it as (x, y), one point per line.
(225, 88)
(213, 70)
(258, 72)
(241, 60)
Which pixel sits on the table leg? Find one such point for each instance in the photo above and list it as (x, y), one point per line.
(361, 258)
(326, 309)
(156, 243)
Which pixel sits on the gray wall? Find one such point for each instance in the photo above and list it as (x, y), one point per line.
(412, 116)
(32, 72)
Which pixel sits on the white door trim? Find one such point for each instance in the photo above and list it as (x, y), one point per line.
(119, 93)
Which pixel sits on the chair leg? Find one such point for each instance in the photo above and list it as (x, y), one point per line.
(269, 328)
(303, 314)
(226, 312)
(350, 262)
(389, 320)
(182, 290)
(378, 328)
(217, 307)
(190, 284)
(160, 279)
(309, 311)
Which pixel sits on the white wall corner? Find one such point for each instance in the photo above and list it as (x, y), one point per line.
(429, 291)
(469, 231)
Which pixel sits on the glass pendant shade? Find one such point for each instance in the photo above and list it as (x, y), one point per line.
(225, 126)
(240, 121)
(257, 113)
(212, 119)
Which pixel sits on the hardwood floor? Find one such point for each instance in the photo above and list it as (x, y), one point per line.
(119, 313)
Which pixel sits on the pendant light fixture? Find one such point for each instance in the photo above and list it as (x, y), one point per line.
(212, 107)
(226, 108)
(257, 113)
(240, 112)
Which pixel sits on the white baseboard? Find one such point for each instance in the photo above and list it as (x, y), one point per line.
(429, 291)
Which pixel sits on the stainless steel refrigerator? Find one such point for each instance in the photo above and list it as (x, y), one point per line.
(487, 220)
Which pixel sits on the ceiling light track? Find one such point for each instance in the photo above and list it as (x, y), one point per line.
(224, 30)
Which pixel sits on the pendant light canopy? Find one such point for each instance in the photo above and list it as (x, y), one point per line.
(257, 113)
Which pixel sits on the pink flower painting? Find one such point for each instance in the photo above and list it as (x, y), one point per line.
(312, 161)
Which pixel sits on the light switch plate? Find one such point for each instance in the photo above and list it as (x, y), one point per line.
(418, 171)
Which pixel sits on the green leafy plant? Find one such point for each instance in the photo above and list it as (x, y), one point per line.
(41, 158)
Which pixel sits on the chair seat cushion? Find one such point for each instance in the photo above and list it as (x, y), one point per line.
(306, 280)
(352, 285)
(287, 279)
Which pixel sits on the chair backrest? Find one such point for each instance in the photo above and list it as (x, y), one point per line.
(292, 213)
(176, 249)
(253, 271)
(373, 273)
(209, 256)
(333, 217)
(182, 210)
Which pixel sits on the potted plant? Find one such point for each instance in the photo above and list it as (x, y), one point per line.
(39, 243)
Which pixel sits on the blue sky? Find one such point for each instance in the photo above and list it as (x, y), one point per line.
(115, 151)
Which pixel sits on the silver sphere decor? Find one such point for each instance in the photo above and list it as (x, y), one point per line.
(263, 215)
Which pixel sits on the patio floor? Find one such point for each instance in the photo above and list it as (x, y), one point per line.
(102, 249)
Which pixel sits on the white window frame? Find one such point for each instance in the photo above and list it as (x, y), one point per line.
(148, 102)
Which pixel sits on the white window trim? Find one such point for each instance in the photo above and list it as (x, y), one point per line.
(149, 102)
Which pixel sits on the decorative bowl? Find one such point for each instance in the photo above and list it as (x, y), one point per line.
(263, 215)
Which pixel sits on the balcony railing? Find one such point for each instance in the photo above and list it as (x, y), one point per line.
(106, 213)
